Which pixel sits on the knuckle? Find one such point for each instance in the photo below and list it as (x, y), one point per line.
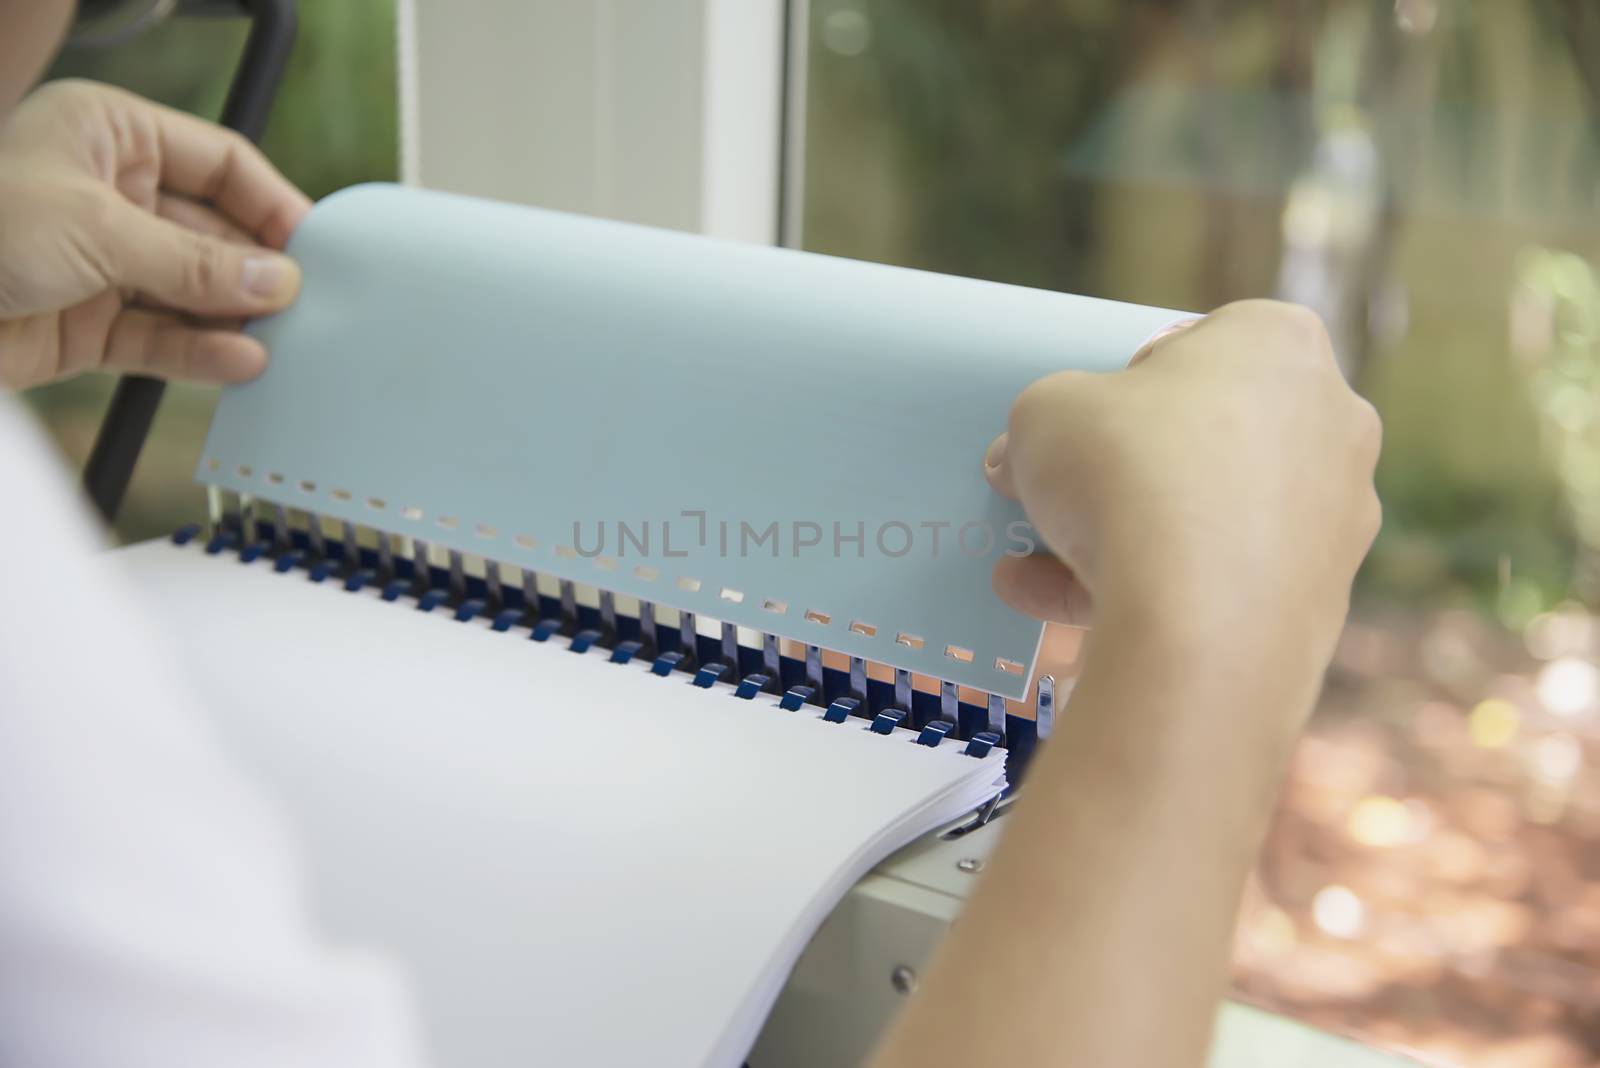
(1284, 319)
(239, 144)
(1370, 422)
(1279, 326)
(233, 144)
(1044, 399)
(93, 205)
(1301, 326)
(1367, 428)
(1248, 306)
(236, 148)
(69, 87)
(1372, 517)
(72, 97)
(203, 267)
(62, 91)
(1024, 407)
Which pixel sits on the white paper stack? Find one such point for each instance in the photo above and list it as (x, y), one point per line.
(577, 862)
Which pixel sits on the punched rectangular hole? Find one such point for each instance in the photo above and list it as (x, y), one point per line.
(411, 512)
(377, 504)
(341, 495)
(687, 583)
(814, 616)
(485, 531)
(566, 552)
(910, 641)
(866, 630)
(776, 607)
(275, 478)
(605, 563)
(1010, 667)
(728, 593)
(448, 522)
(525, 541)
(307, 486)
(956, 652)
(646, 572)
(245, 471)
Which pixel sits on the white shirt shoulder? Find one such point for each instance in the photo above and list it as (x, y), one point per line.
(152, 907)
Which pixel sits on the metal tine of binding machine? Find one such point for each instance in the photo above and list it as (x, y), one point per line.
(544, 625)
(281, 536)
(458, 575)
(352, 548)
(214, 510)
(314, 537)
(247, 519)
(530, 593)
(771, 675)
(385, 554)
(814, 674)
(688, 637)
(1044, 712)
(583, 639)
(569, 607)
(949, 701)
(648, 643)
(493, 585)
(421, 565)
(730, 651)
(997, 713)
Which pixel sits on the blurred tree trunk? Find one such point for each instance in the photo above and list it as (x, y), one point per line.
(1581, 21)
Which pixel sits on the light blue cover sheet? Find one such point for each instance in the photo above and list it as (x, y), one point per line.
(490, 377)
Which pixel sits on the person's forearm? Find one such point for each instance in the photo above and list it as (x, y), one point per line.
(1101, 931)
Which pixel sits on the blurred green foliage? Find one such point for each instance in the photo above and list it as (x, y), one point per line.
(1390, 163)
(336, 117)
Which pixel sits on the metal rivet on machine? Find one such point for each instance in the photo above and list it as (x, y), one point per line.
(903, 979)
(970, 864)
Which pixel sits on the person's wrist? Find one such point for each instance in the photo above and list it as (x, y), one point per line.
(1197, 602)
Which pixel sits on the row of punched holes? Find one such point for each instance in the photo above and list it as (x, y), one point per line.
(643, 571)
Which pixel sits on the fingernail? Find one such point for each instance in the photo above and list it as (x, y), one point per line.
(996, 454)
(1166, 331)
(269, 277)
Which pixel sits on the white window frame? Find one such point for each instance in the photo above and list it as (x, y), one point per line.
(680, 113)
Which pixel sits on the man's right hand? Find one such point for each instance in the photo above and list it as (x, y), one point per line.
(1211, 505)
(1224, 479)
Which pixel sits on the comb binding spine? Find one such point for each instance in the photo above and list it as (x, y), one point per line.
(239, 526)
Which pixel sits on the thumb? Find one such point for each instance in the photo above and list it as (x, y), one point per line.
(195, 272)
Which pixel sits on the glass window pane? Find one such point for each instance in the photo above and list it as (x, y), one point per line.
(1424, 174)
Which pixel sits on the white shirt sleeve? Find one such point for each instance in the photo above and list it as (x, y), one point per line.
(152, 908)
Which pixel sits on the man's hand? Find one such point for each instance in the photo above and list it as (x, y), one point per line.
(135, 238)
(1211, 504)
(1226, 479)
